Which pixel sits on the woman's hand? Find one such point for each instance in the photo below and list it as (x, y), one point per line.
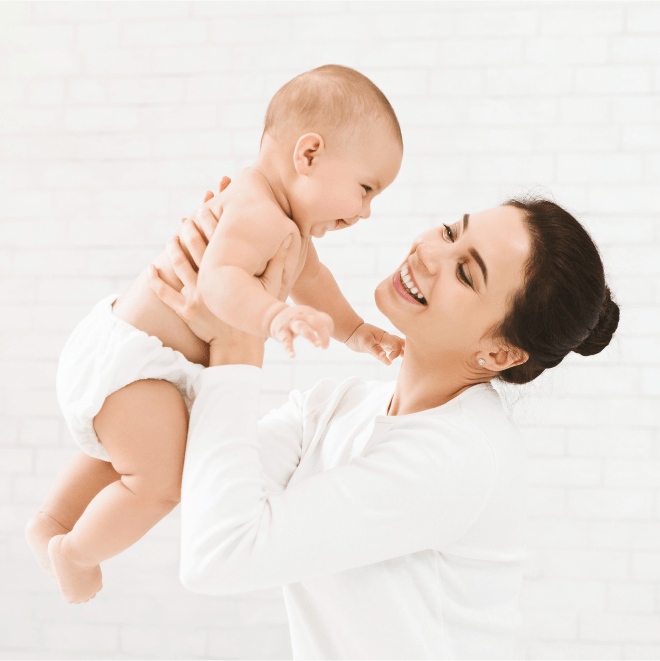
(228, 345)
(205, 222)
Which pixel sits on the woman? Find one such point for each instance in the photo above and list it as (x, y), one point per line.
(392, 513)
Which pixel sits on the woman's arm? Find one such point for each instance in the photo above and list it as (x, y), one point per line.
(413, 490)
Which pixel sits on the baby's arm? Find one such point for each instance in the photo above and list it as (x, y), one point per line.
(247, 237)
(243, 242)
(317, 288)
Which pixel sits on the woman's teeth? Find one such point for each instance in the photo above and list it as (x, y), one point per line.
(409, 285)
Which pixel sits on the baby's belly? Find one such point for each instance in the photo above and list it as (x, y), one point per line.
(141, 308)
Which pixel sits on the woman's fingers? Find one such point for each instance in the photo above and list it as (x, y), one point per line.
(194, 241)
(205, 221)
(224, 182)
(170, 296)
(182, 267)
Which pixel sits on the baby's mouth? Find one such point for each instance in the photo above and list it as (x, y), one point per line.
(410, 285)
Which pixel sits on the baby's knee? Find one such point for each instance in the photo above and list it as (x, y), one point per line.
(169, 492)
(162, 490)
(48, 520)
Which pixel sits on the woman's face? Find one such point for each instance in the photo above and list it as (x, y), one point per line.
(466, 273)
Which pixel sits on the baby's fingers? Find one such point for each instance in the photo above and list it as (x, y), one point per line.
(322, 325)
(393, 345)
(303, 329)
(285, 338)
(378, 352)
(288, 346)
(395, 353)
(390, 342)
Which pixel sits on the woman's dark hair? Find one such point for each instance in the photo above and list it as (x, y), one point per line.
(564, 304)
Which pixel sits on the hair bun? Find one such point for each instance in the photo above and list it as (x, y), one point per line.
(601, 335)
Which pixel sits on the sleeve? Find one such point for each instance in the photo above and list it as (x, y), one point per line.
(407, 493)
(280, 442)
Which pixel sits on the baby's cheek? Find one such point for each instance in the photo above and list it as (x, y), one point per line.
(356, 207)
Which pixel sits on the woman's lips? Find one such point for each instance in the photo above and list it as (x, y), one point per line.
(396, 281)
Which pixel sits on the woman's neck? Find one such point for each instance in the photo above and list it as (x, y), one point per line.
(425, 382)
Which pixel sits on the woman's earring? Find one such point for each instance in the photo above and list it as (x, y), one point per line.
(481, 361)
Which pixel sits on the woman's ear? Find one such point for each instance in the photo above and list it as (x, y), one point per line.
(308, 148)
(504, 356)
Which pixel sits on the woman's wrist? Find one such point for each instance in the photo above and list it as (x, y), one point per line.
(247, 351)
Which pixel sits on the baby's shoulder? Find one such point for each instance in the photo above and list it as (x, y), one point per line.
(250, 194)
(250, 211)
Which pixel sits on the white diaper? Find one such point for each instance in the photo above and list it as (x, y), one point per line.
(104, 354)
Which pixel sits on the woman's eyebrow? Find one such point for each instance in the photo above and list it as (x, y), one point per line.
(474, 253)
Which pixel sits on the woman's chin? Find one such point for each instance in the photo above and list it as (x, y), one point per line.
(384, 303)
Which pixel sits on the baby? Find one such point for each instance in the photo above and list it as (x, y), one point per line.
(126, 377)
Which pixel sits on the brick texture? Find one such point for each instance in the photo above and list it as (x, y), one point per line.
(114, 120)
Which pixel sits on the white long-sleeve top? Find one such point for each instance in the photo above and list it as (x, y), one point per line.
(394, 537)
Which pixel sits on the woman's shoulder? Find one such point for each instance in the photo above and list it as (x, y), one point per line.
(475, 419)
(482, 405)
(350, 392)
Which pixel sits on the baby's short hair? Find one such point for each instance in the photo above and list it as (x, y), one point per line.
(329, 98)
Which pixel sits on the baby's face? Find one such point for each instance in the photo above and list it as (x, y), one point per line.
(340, 191)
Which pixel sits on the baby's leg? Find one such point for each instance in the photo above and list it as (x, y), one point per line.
(143, 427)
(75, 486)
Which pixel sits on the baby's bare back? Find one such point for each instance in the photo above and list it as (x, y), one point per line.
(141, 308)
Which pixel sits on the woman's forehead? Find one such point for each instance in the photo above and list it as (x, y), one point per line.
(503, 226)
(500, 236)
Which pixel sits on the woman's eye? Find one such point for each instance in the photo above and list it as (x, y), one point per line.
(449, 232)
(463, 277)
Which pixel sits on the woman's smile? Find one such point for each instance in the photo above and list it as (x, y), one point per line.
(406, 287)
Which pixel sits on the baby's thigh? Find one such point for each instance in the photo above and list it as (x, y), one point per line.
(144, 426)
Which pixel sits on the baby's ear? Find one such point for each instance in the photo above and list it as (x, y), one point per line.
(308, 148)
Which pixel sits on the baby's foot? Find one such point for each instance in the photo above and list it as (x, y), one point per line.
(77, 582)
(40, 529)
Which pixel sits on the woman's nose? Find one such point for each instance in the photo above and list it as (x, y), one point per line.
(429, 256)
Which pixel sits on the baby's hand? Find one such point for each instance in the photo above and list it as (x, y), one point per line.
(371, 339)
(301, 320)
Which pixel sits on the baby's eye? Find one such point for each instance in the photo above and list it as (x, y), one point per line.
(367, 188)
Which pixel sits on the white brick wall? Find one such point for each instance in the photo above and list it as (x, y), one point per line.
(114, 120)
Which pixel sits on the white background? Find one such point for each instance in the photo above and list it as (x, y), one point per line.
(116, 117)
